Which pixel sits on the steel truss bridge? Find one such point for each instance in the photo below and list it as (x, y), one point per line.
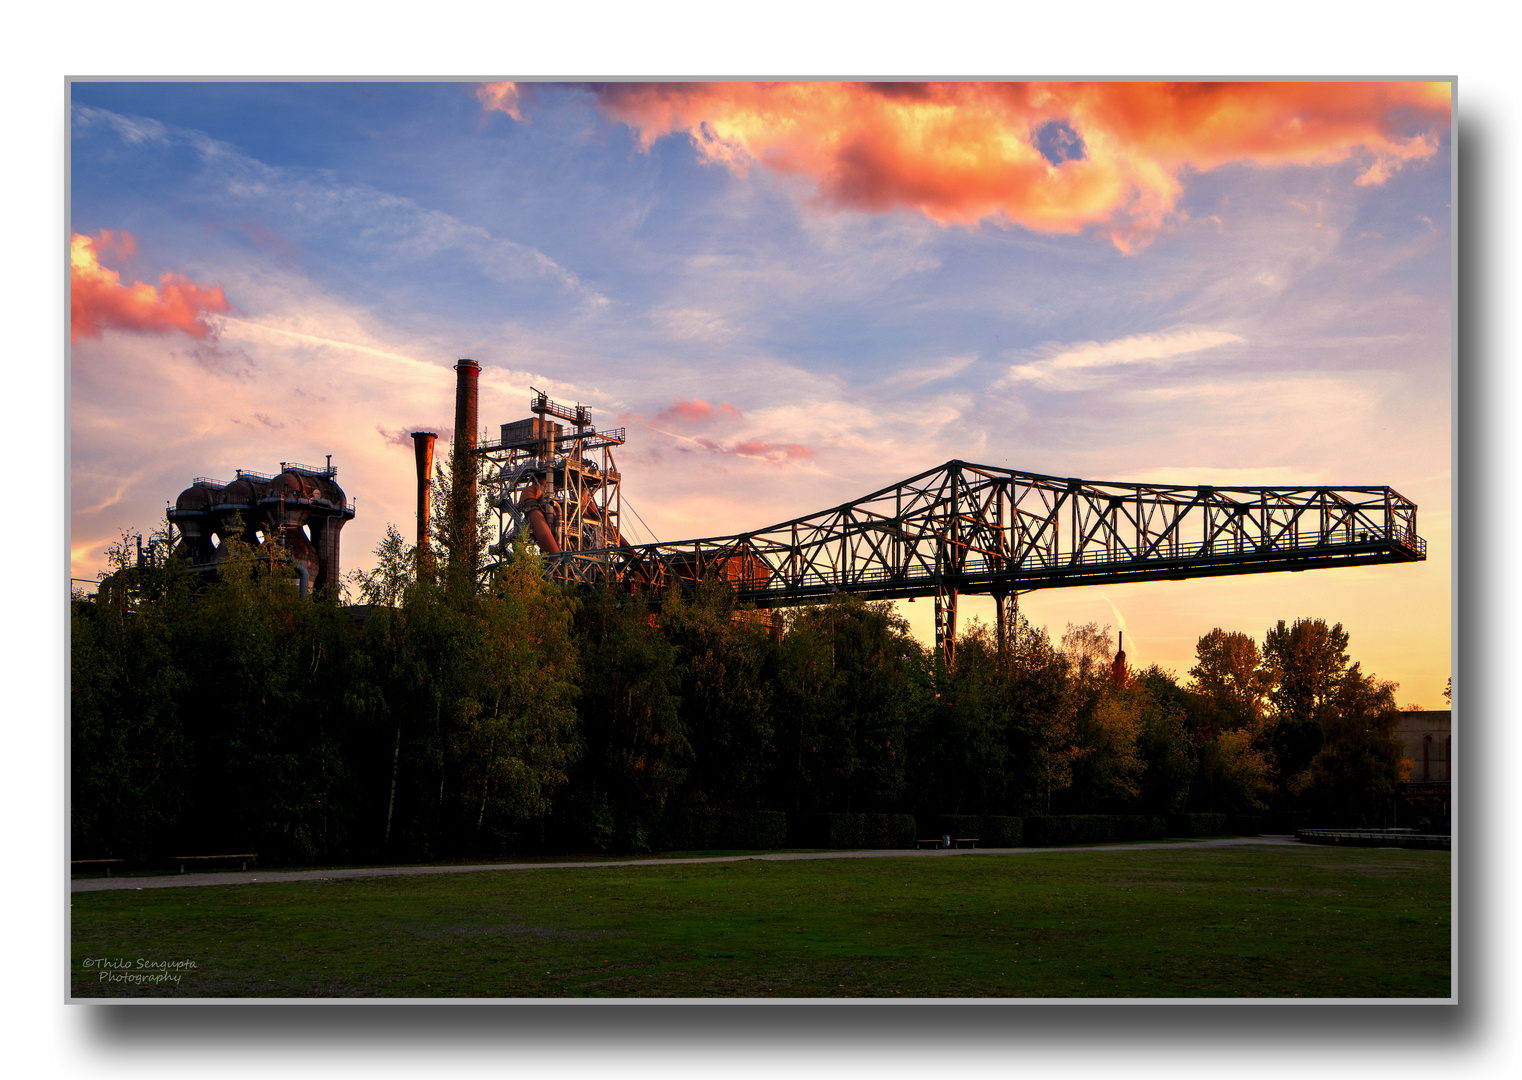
(965, 528)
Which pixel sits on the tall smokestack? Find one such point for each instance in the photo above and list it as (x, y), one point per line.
(467, 377)
(422, 445)
(467, 380)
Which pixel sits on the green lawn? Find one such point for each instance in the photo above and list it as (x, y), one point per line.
(1225, 922)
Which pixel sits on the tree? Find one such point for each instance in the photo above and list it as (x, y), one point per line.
(1228, 673)
(1354, 775)
(1305, 663)
(1089, 651)
(848, 680)
(964, 748)
(724, 665)
(1164, 743)
(636, 754)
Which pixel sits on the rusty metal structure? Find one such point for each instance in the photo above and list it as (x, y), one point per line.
(553, 476)
(422, 448)
(301, 508)
(964, 528)
(960, 528)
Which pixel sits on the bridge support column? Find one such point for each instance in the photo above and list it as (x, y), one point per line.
(1006, 615)
(946, 623)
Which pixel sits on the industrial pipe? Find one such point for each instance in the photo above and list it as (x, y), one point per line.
(422, 445)
(530, 506)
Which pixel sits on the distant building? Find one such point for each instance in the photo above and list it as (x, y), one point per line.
(1427, 794)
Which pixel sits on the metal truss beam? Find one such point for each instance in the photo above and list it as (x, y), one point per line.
(966, 528)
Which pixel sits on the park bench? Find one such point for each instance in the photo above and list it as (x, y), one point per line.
(106, 864)
(203, 860)
(948, 842)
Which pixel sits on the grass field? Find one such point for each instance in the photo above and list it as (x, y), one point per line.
(1225, 922)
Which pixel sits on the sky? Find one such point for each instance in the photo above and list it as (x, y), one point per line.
(790, 295)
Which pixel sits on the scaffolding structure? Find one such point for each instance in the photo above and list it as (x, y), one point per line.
(552, 477)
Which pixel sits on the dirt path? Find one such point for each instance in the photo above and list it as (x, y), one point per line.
(265, 877)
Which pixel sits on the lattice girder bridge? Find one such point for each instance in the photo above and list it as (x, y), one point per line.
(966, 528)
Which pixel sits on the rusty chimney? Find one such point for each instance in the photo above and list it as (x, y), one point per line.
(465, 391)
(1118, 670)
(422, 445)
(467, 380)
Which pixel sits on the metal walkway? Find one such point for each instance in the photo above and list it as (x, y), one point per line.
(966, 528)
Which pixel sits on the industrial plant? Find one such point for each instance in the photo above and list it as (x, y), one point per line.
(959, 528)
(302, 508)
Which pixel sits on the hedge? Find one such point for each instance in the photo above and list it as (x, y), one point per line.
(1266, 824)
(852, 830)
(991, 830)
(1046, 831)
(1196, 825)
(698, 830)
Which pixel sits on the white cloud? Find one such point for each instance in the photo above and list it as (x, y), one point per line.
(913, 378)
(692, 324)
(1079, 365)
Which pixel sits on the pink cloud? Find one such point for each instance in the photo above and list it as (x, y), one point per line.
(774, 452)
(696, 411)
(98, 299)
(500, 97)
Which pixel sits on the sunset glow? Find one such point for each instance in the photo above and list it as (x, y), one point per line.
(98, 299)
(789, 295)
(961, 153)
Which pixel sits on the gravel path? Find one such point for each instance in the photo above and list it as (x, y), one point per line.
(265, 877)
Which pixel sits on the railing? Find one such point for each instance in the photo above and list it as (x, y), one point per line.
(976, 528)
(327, 472)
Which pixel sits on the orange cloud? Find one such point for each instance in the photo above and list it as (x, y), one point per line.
(98, 299)
(695, 411)
(1052, 157)
(501, 97)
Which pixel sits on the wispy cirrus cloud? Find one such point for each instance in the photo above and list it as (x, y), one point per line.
(1083, 364)
(913, 378)
(392, 230)
(1052, 157)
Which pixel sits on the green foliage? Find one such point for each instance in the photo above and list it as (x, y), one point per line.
(1164, 743)
(1058, 829)
(724, 664)
(1353, 777)
(694, 829)
(637, 752)
(1229, 675)
(1196, 825)
(1304, 663)
(852, 830)
(849, 679)
(457, 713)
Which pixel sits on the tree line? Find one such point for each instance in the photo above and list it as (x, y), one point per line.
(469, 714)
